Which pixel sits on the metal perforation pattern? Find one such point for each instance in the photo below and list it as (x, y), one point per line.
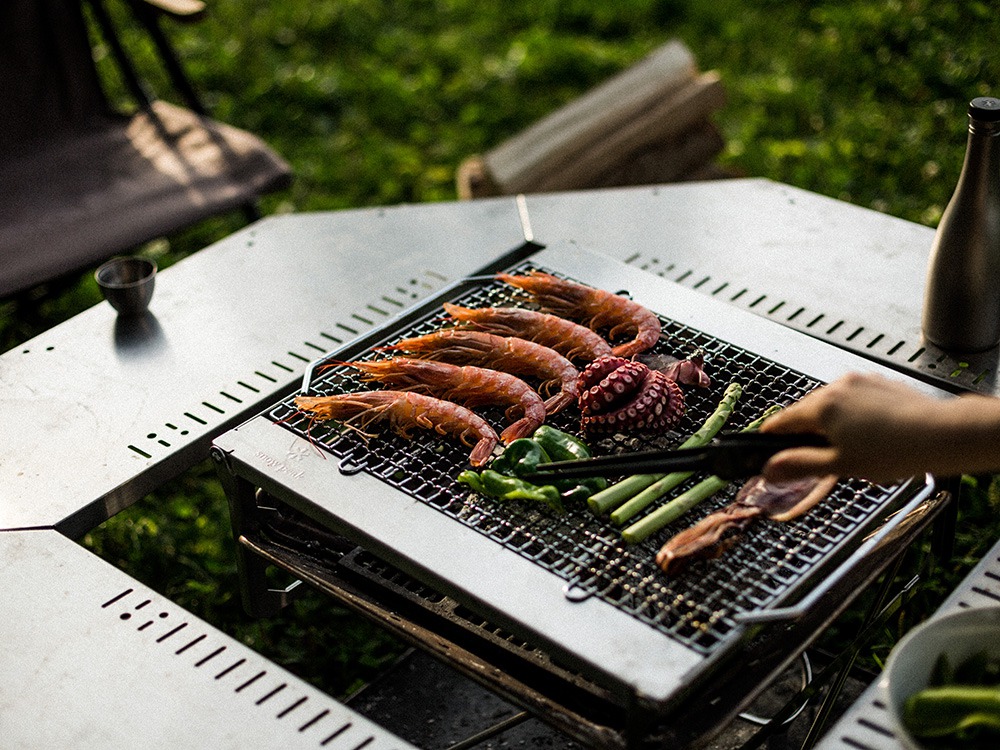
(977, 371)
(98, 660)
(785, 254)
(697, 608)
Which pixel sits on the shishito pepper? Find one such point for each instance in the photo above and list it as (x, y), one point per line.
(960, 704)
(494, 484)
(521, 457)
(559, 445)
(957, 710)
(503, 478)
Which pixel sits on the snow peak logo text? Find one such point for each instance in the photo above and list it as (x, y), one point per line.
(279, 466)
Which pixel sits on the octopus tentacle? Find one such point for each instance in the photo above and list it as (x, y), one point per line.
(619, 386)
(629, 396)
(599, 369)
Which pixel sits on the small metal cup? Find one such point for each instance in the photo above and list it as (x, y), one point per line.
(127, 283)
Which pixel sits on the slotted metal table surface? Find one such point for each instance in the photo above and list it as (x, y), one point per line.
(94, 659)
(106, 411)
(866, 725)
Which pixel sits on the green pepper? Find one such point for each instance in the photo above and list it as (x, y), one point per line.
(503, 478)
(494, 484)
(520, 457)
(578, 493)
(959, 710)
(560, 446)
(593, 484)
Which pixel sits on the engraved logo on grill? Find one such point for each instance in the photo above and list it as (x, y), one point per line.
(280, 466)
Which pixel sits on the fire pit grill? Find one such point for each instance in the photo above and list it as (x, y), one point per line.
(696, 608)
(554, 611)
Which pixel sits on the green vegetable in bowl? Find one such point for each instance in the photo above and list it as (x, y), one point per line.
(959, 710)
(961, 705)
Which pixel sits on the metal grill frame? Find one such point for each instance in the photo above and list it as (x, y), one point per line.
(588, 553)
(588, 636)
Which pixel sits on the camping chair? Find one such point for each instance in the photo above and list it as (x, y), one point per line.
(80, 182)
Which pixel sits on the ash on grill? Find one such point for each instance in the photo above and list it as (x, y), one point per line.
(696, 608)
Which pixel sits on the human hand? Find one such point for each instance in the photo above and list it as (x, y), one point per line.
(878, 429)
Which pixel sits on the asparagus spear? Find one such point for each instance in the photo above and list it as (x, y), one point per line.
(603, 501)
(667, 482)
(681, 504)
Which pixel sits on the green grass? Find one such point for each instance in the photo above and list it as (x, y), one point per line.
(376, 103)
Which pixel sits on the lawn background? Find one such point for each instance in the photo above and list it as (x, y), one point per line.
(376, 103)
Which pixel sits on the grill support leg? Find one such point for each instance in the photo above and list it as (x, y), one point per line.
(639, 721)
(877, 613)
(837, 671)
(259, 599)
(942, 548)
(490, 732)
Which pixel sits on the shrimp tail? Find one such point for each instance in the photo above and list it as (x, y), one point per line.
(558, 402)
(482, 451)
(522, 428)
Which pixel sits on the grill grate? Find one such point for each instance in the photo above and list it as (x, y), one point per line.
(697, 607)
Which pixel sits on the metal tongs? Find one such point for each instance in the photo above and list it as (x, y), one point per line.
(732, 455)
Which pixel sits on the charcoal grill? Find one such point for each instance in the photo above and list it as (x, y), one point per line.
(555, 611)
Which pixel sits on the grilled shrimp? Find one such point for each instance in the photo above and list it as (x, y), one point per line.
(572, 340)
(508, 354)
(469, 386)
(595, 308)
(404, 411)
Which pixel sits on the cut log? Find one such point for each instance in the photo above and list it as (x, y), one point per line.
(666, 121)
(659, 104)
(685, 157)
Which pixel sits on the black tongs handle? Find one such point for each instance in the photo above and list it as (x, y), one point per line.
(743, 454)
(730, 455)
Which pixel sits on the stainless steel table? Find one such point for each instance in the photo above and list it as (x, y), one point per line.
(105, 410)
(841, 273)
(866, 725)
(111, 409)
(94, 659)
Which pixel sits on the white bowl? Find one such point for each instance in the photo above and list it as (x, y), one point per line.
(958, 635)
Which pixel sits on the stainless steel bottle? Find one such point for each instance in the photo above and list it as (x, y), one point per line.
(962, 295)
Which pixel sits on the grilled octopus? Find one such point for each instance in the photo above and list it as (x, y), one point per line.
(716, 533)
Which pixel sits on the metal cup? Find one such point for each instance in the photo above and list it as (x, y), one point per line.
(127, 284)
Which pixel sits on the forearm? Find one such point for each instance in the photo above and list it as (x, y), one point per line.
(968, 439)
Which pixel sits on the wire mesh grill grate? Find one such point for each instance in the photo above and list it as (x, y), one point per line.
(696, 607)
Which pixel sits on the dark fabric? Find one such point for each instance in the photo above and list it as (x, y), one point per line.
(48, 83)
(86, 197)
(79, 183)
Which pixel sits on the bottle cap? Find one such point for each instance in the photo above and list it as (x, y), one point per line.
(985, 108)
